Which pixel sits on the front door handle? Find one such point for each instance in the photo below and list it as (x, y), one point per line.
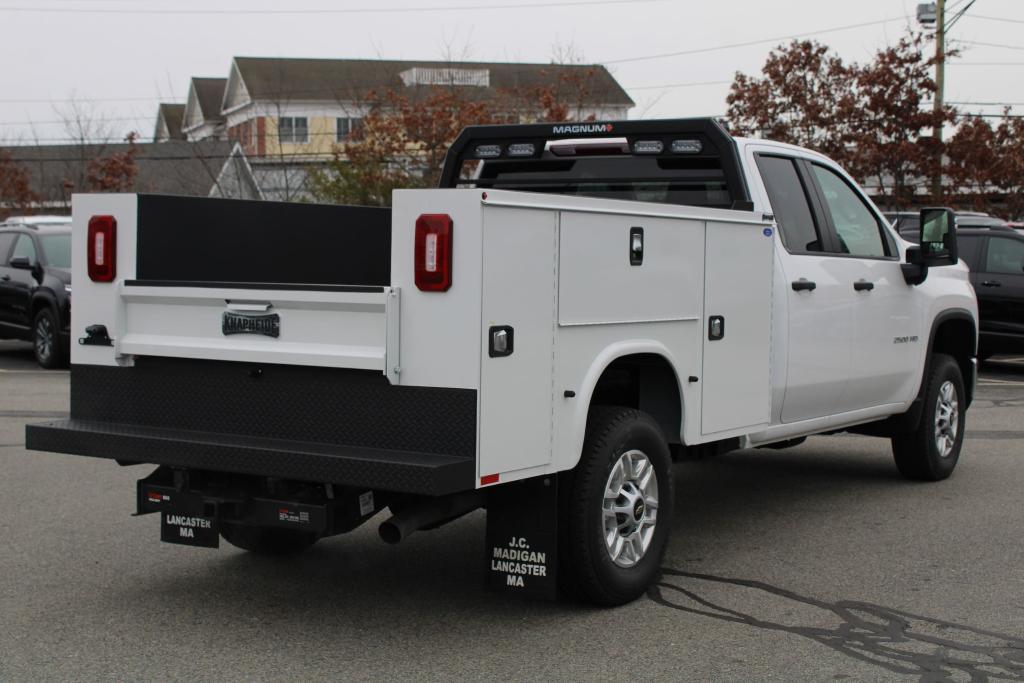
(863, 286)
(803, 284)
(991, 283)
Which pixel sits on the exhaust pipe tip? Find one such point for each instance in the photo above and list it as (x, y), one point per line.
(390, 532)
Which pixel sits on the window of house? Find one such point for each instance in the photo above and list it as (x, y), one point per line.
(293, 129)
(346, 126)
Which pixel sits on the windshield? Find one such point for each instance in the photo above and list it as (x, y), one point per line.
(57, 248)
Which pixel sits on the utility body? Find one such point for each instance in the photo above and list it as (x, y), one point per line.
(577, 305)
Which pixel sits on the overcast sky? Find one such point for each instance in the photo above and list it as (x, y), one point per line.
(121, 57)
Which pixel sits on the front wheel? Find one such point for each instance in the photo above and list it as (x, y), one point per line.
(930, 453)
(617, 507)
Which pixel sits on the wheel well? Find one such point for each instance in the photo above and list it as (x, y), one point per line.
(956, 338)
(38, 304)
(647, 382)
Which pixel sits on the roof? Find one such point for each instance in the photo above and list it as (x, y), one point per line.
(172, 167)
(209, 93)
(169, 118)
(353, 79)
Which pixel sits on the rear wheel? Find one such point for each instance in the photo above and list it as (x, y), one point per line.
(617, 507)
(46, 342)
(266, 540)
(930, 453)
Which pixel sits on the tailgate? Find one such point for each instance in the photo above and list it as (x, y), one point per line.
(230, 280)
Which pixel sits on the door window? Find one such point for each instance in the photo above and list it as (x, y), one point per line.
(856, 226)
(1005, 256)
(789, 204)
(6, 241)
(25, 247)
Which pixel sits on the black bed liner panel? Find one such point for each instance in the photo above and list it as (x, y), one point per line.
(314, 424)
(202, 240)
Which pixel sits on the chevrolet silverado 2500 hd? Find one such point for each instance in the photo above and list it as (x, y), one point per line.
(577, 305)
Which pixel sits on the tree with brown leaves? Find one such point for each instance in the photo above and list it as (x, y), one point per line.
(16, 194)
(115, 173)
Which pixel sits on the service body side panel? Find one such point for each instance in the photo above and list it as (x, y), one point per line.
(519, 292)
(738, 293)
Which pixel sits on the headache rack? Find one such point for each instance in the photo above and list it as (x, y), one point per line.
(691, 162)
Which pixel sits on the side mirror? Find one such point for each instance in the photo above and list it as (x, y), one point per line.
(938, 237)
(20, 262)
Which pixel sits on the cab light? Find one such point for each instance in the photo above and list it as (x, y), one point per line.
(687, 146)
(487, 151)
(433, 252)
(101, 250)
(648, 147)
(522, 149)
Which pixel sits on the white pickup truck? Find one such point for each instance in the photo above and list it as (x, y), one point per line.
(576, 306)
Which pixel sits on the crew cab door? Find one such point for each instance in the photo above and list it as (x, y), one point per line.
(888, 342)
(16, 285)
(819, 300)
(999, 284)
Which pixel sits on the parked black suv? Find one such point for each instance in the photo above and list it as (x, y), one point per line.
(995, 254)
(35, 289)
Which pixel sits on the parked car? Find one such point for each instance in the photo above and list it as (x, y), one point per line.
(995, 256)
(35, 287)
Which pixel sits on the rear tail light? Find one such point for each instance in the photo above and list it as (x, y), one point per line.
(102, 248)
(433, 252)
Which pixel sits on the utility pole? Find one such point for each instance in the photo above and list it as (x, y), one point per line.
(940, 77)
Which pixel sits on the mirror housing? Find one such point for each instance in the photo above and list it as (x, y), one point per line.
(938, 237)
(20, 262)
(936, 245)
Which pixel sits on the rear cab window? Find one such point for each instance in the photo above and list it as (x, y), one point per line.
(790, 204)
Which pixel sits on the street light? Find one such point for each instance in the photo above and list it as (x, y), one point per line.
(927, 13)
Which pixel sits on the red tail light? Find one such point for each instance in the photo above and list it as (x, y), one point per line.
(433, 252)
(102, 249)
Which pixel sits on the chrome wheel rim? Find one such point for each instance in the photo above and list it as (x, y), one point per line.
(630, 508)
(44, 338)
(947, 419)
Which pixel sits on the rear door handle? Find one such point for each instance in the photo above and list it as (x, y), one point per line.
(991, 283)
(804, 284)
(5, 277)
(863, 285)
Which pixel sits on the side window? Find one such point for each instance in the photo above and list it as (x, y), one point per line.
(856, 226)
(1004, 256)
(789, 204)
(25, 247)
(967, 245)
(6, 240)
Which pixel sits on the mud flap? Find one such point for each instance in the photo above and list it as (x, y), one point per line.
(522, 538)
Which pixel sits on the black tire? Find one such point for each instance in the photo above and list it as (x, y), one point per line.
(587, 570)
(917, 453)
(46, 342)
(266, 540)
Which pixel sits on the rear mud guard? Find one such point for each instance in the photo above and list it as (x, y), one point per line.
(522, 538)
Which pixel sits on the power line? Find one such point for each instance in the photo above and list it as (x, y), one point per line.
(999, 45)
(673, 85)
(321, 11)
(999, 19)
(749, 43)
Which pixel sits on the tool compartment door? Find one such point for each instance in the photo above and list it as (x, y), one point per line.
(738, 262)
(519, 262)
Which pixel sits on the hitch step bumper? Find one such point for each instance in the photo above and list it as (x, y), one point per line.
(386, 470)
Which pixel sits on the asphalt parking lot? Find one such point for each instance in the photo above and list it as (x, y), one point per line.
(813, 563)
